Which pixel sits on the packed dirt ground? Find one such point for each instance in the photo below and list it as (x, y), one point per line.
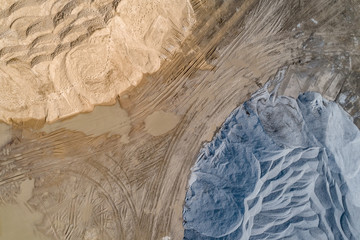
(121, 171)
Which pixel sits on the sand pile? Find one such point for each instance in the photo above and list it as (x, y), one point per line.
(59, 58)
(279, 168)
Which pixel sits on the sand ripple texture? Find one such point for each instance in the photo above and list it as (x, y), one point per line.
(59, 58)
(279, 168)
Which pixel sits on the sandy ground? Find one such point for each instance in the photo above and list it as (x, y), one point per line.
(95, 185)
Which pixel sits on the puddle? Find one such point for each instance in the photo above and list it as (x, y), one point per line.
(103, 119)
(5, 134)
(17, 221)
(160, 122)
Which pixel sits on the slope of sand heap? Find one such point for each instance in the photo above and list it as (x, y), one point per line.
(59, 58)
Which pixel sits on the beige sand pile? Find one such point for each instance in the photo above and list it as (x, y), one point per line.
(59, 58)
